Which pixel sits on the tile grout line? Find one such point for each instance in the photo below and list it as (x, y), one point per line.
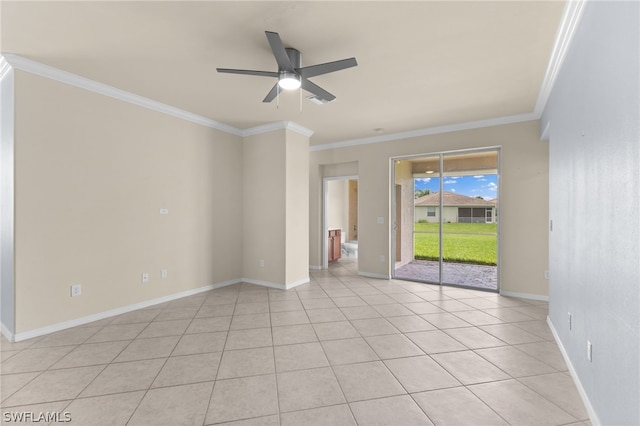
(146, 391)
(328, 287)
(275, 365)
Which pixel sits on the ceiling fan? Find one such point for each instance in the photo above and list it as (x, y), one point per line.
(291, 75)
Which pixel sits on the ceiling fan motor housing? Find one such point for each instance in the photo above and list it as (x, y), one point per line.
(294, 56)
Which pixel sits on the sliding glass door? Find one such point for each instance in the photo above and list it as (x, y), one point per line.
(455, 219)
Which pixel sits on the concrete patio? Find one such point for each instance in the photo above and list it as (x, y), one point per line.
(477, 276)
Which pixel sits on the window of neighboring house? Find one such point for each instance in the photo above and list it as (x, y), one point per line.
(431, 211)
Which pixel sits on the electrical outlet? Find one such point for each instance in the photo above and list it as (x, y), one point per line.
(382, 258)
(546, 274)
(145, 277)
(261, 263)
(164, 211)
(589, 351)
(163, 273)
(76, 290)
(569, 319)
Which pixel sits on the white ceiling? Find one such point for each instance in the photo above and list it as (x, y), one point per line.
(422, 64)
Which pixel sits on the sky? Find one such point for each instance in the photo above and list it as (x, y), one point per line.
(485, 186)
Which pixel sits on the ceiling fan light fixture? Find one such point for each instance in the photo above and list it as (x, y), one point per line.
(289, 81)
(291, 73)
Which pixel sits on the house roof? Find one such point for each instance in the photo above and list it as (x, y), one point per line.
(451, 199)
(421, 64)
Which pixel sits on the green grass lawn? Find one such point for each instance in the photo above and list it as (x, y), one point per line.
(464, 228)
(462, 242)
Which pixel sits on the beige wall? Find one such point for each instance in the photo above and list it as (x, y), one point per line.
(450, 214)
(523, 183)
(276, 208)
(91, 175)
(297, 209)
(404, 178)
(338, 205)
(264, 207)
(352, 223)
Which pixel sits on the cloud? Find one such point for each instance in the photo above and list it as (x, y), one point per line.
(450, 181)
(425, 180)
(492, 186)
(453, 190)
(479, 176)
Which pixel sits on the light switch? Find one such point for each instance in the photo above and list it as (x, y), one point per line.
(380, 220)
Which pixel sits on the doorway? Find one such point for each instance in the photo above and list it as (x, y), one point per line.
(340, 223)
(454, 227)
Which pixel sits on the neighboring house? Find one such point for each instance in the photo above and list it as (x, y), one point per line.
(457, 208)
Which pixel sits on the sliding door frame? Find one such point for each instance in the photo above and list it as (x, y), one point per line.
(441, 156)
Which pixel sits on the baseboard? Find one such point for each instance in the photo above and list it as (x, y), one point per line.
(583, 394)
(315, 267)
(276, 285)
(6, 333)
(18, 337)
(372, 275)
(297, 283)
(524, 295)
(110, 313)
(264, 283)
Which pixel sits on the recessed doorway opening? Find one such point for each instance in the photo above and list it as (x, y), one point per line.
(340, 223)
(446, 223)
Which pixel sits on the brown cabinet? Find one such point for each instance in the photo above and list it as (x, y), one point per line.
(334, 246)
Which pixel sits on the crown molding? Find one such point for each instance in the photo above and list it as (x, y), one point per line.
(42, 70)
(278, 125)
(566, 31)
(295, 127)
(569, 23)
(430, 131)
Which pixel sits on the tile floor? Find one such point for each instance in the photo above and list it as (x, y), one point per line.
(342, 350)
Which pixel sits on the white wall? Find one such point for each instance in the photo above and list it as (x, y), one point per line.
(594, 247)
(7, 294)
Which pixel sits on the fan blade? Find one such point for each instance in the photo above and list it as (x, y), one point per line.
(284, 63)
(248, 72)
(272, 94)
(317, 90)
(327, 67)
